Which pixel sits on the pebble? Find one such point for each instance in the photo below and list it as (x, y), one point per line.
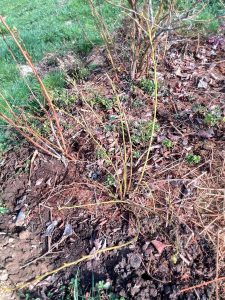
(135, 261)
(3, 275)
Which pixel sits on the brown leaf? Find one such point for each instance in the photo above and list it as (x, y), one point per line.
(159, 246)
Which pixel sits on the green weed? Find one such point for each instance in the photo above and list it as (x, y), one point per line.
(147, 85)
(3, 209)
(62, 99)
(167, 144)
(136, 154)
(211, 117)
(193, 159)
(101, 102)
(101, 153)
(199, 108)
(54, 80)
(110, 181)
(137, 103)
(142, 132)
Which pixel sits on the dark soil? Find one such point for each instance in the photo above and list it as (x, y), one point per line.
(186, 200)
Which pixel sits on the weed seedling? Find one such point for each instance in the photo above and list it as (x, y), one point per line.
(167, 144)
(109, 127)
(211, 119)
(104, 103)
(199, 108)
(3, 210)
(193, 159)
(142, 132)
(136, 154)
(147, 85)
(110, 181)
(137, 103)
(101, 153)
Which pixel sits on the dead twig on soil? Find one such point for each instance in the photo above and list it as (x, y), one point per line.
(203, 284)
(71, 264)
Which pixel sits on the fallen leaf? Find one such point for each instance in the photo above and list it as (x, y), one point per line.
(21, 216)
(39, 181)
(49, 182)
(202, 84)
(68, 230)
(159, 246)
(50, 228)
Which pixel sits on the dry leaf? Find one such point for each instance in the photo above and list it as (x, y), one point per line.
(39, 181)
(68, 230)
(50, 228)
(159, 246)
(20, 218)
(202, 84)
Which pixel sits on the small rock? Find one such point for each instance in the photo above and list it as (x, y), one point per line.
(21, 216)
(135, 261)
(3, 275)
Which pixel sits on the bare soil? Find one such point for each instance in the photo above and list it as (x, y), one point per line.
(180, 241)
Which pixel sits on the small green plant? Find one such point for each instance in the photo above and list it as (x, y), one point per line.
(101, 153)
(102, 285)
(136, 154)
(109, 127)
(167, 144)
(3, 210)
(193, 159)
(211, 119)
(147, 85)
(137, 103)
(142, 132)
(54, 80)
(81, 73)
(102, 102)
(199, 108)
(110, 181)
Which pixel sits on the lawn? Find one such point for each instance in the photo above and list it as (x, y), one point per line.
(53, 26)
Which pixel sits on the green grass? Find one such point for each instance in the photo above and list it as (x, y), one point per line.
(53, 26)
(207, 20)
